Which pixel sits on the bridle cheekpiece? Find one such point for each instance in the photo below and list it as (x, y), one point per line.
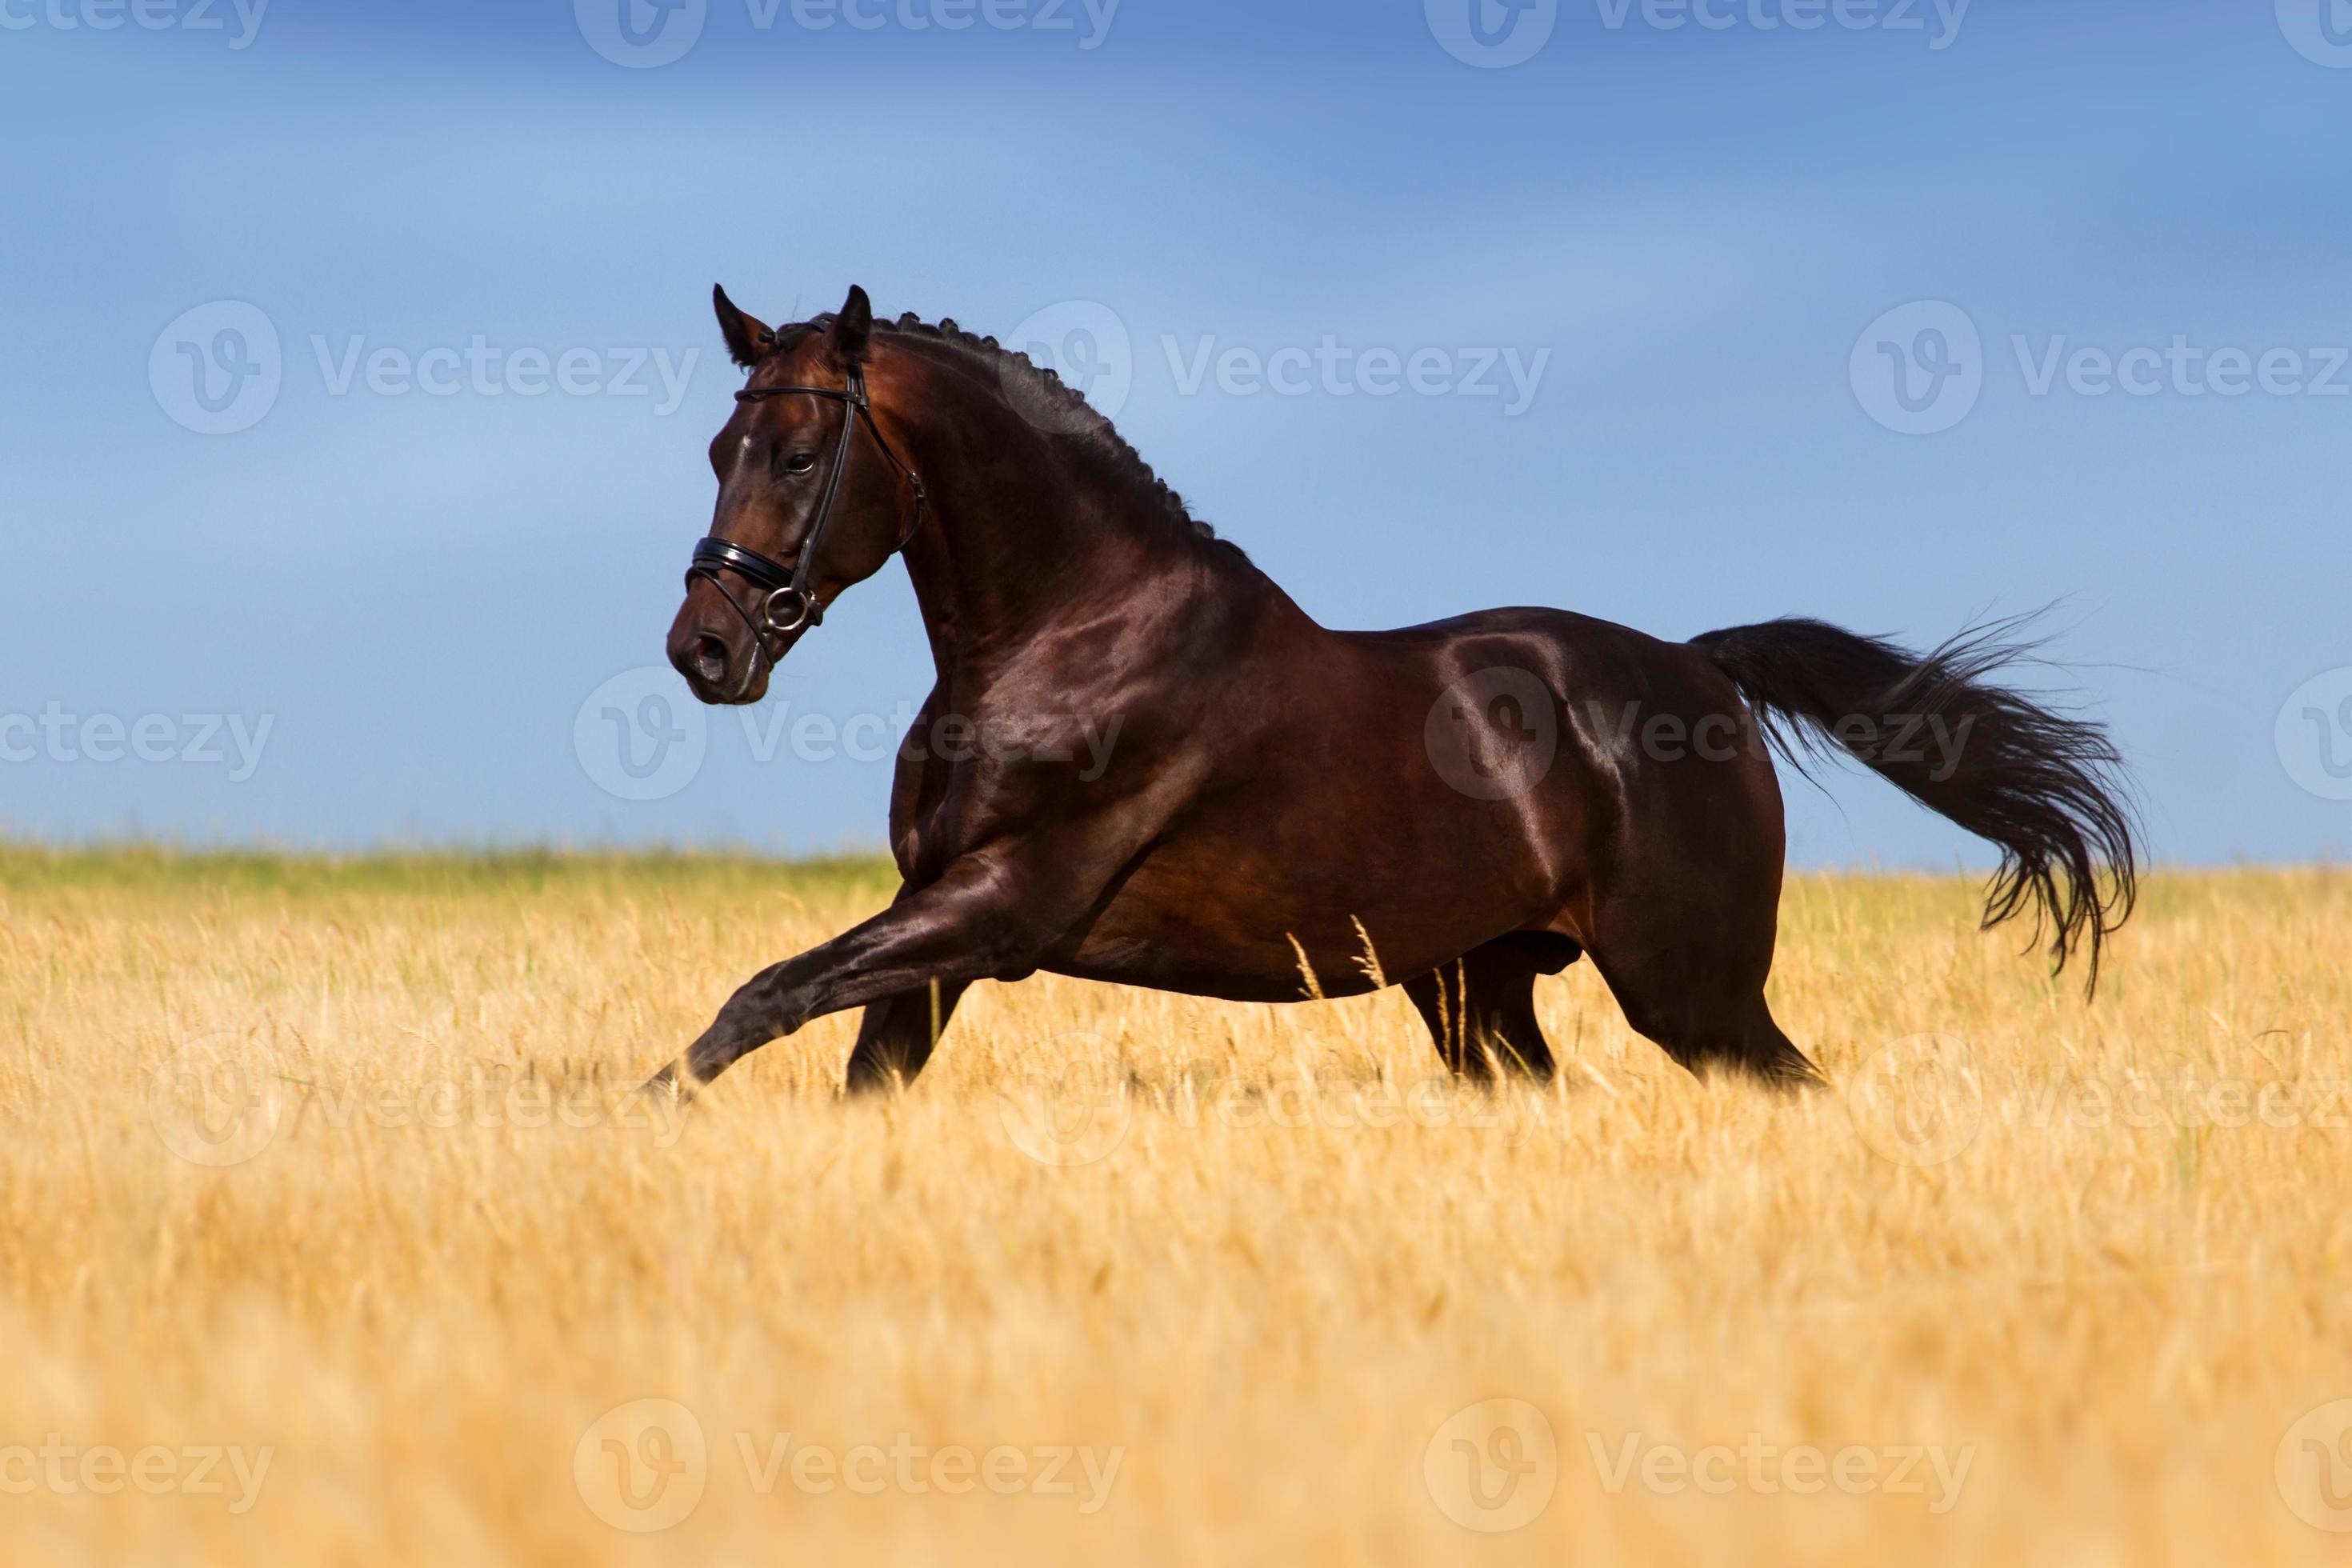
(791, 604)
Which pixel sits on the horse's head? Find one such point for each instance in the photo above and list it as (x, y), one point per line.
(813, 498)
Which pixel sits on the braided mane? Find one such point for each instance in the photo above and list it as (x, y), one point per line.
(1042, 382)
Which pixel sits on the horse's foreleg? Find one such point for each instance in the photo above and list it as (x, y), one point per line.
(1481, 1008)
(897, 1034)
(977, 921)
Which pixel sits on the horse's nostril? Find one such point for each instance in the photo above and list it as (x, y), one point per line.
(711, 658)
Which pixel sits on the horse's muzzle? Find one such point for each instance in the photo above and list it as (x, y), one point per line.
(722, 662)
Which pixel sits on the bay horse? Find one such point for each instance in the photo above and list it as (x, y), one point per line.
(1457, 807)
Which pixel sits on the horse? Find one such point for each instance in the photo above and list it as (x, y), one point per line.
(1286, 810)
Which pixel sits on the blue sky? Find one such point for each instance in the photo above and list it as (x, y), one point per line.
(1687, 229)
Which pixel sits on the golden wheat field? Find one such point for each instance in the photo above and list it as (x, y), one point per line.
(331, 1231)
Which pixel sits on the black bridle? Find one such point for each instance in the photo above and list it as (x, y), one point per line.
(788, 586)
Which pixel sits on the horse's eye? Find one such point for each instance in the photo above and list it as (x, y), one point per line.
(799, 463)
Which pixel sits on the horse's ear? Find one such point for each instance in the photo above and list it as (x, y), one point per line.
(748, 337)
(853, 325)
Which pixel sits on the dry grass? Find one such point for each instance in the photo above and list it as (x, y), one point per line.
(1270, 1301)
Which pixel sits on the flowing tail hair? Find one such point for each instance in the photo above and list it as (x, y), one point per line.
(2046, 787)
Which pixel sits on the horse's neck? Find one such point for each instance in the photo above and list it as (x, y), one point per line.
(995, 575)
(995, 568)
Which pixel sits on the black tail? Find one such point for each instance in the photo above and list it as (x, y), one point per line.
(2046, 787)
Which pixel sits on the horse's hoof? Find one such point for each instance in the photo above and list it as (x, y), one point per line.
(668, 1084)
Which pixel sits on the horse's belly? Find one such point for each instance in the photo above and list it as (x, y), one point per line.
(1220, 921)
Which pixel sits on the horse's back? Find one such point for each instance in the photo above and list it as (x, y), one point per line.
(1581, 658)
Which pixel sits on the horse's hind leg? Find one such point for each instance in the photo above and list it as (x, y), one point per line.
(1481, 1007)
(897, 1034)
(1745, 1038)
(1706, 1018)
